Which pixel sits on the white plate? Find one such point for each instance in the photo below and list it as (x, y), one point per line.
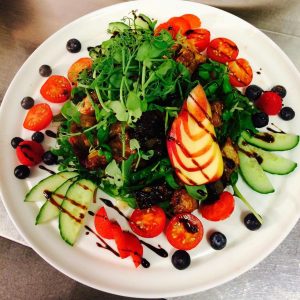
(240, 3)
(98, 268)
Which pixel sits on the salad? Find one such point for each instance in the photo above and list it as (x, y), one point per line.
(162, 118)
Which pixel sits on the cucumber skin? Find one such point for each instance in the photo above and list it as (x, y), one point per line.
(283, 141)
(63, 217)
(48, 206)
(272, 163)
(37, 186)
(244, 159)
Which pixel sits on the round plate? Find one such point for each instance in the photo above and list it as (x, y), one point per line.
(98, 268)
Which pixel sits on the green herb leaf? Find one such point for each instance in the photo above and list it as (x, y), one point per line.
(197, 192)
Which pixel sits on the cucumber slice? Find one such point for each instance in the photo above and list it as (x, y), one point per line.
(117, 27)
(270, 162)
(49, 210)
(271, 141)
(74, 208)
(49, 184)
(254, 174)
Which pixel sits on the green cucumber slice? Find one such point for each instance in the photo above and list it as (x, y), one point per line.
(74, 208)
(49, 184)
(117, 27)
(254, 174)
(50, 211)
(270, 162)
(271, 141)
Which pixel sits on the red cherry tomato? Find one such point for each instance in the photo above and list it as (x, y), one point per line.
(240, 72)
(148, 222)
(184, 231)
(182, 24)
(199, 38)
(56, 89)
(29, 153)
(38, 117)
(270, 103)
(222, 50)
(220, 210)
(166, 26)
(193, 20)
(78, 66)
(103, 225)
(128, 245)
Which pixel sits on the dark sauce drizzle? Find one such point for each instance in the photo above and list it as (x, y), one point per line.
(46, 169)
(188, 225)
(275, 131)
(51, 134)
(158, 250)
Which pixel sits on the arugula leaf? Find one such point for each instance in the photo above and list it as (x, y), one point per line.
(114, 174)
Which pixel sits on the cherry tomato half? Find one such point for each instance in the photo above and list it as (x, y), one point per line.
(78, 66)
(193, 20)
(199, 38)
(219, 210)
(29, 153)
(184, 231)
(38, 117)
(240, 72)
(222, 50)
(103, 225)
(148, 222)
(56, 89)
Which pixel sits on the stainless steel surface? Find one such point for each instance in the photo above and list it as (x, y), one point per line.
(25, 24)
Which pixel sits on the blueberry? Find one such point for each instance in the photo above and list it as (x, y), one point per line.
(287, 113)
(253, 92)
(27, 102)
(73, 46)
(181, 259)
(22, 171)
(45, 70)
(49, 158)
(260, 119)
(38, 137)
(251, 222)
(280, 90)
(16, 141)
(218, 240)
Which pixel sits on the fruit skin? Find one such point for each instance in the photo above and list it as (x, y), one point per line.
(27, 102)
(280, 90)
(104, 226)
(287, 113)
(16, 141)
(29, 153)
(253, 92)
(184, 231)
(270, 103)
(199, 38)
(251, 222)
(45, 70)
(218, 240)
(191, 143)
(219, 210)
(22, 172)
(260, 119)
(222, 50)
(148, 222)
(73, 45)
(38, 117)
(240, 72)
(271, 141)
(38, 136)
(56, 89)
(49, 158)
(77, 67)
(181, 259)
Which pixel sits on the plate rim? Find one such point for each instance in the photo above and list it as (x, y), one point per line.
(37, 249)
